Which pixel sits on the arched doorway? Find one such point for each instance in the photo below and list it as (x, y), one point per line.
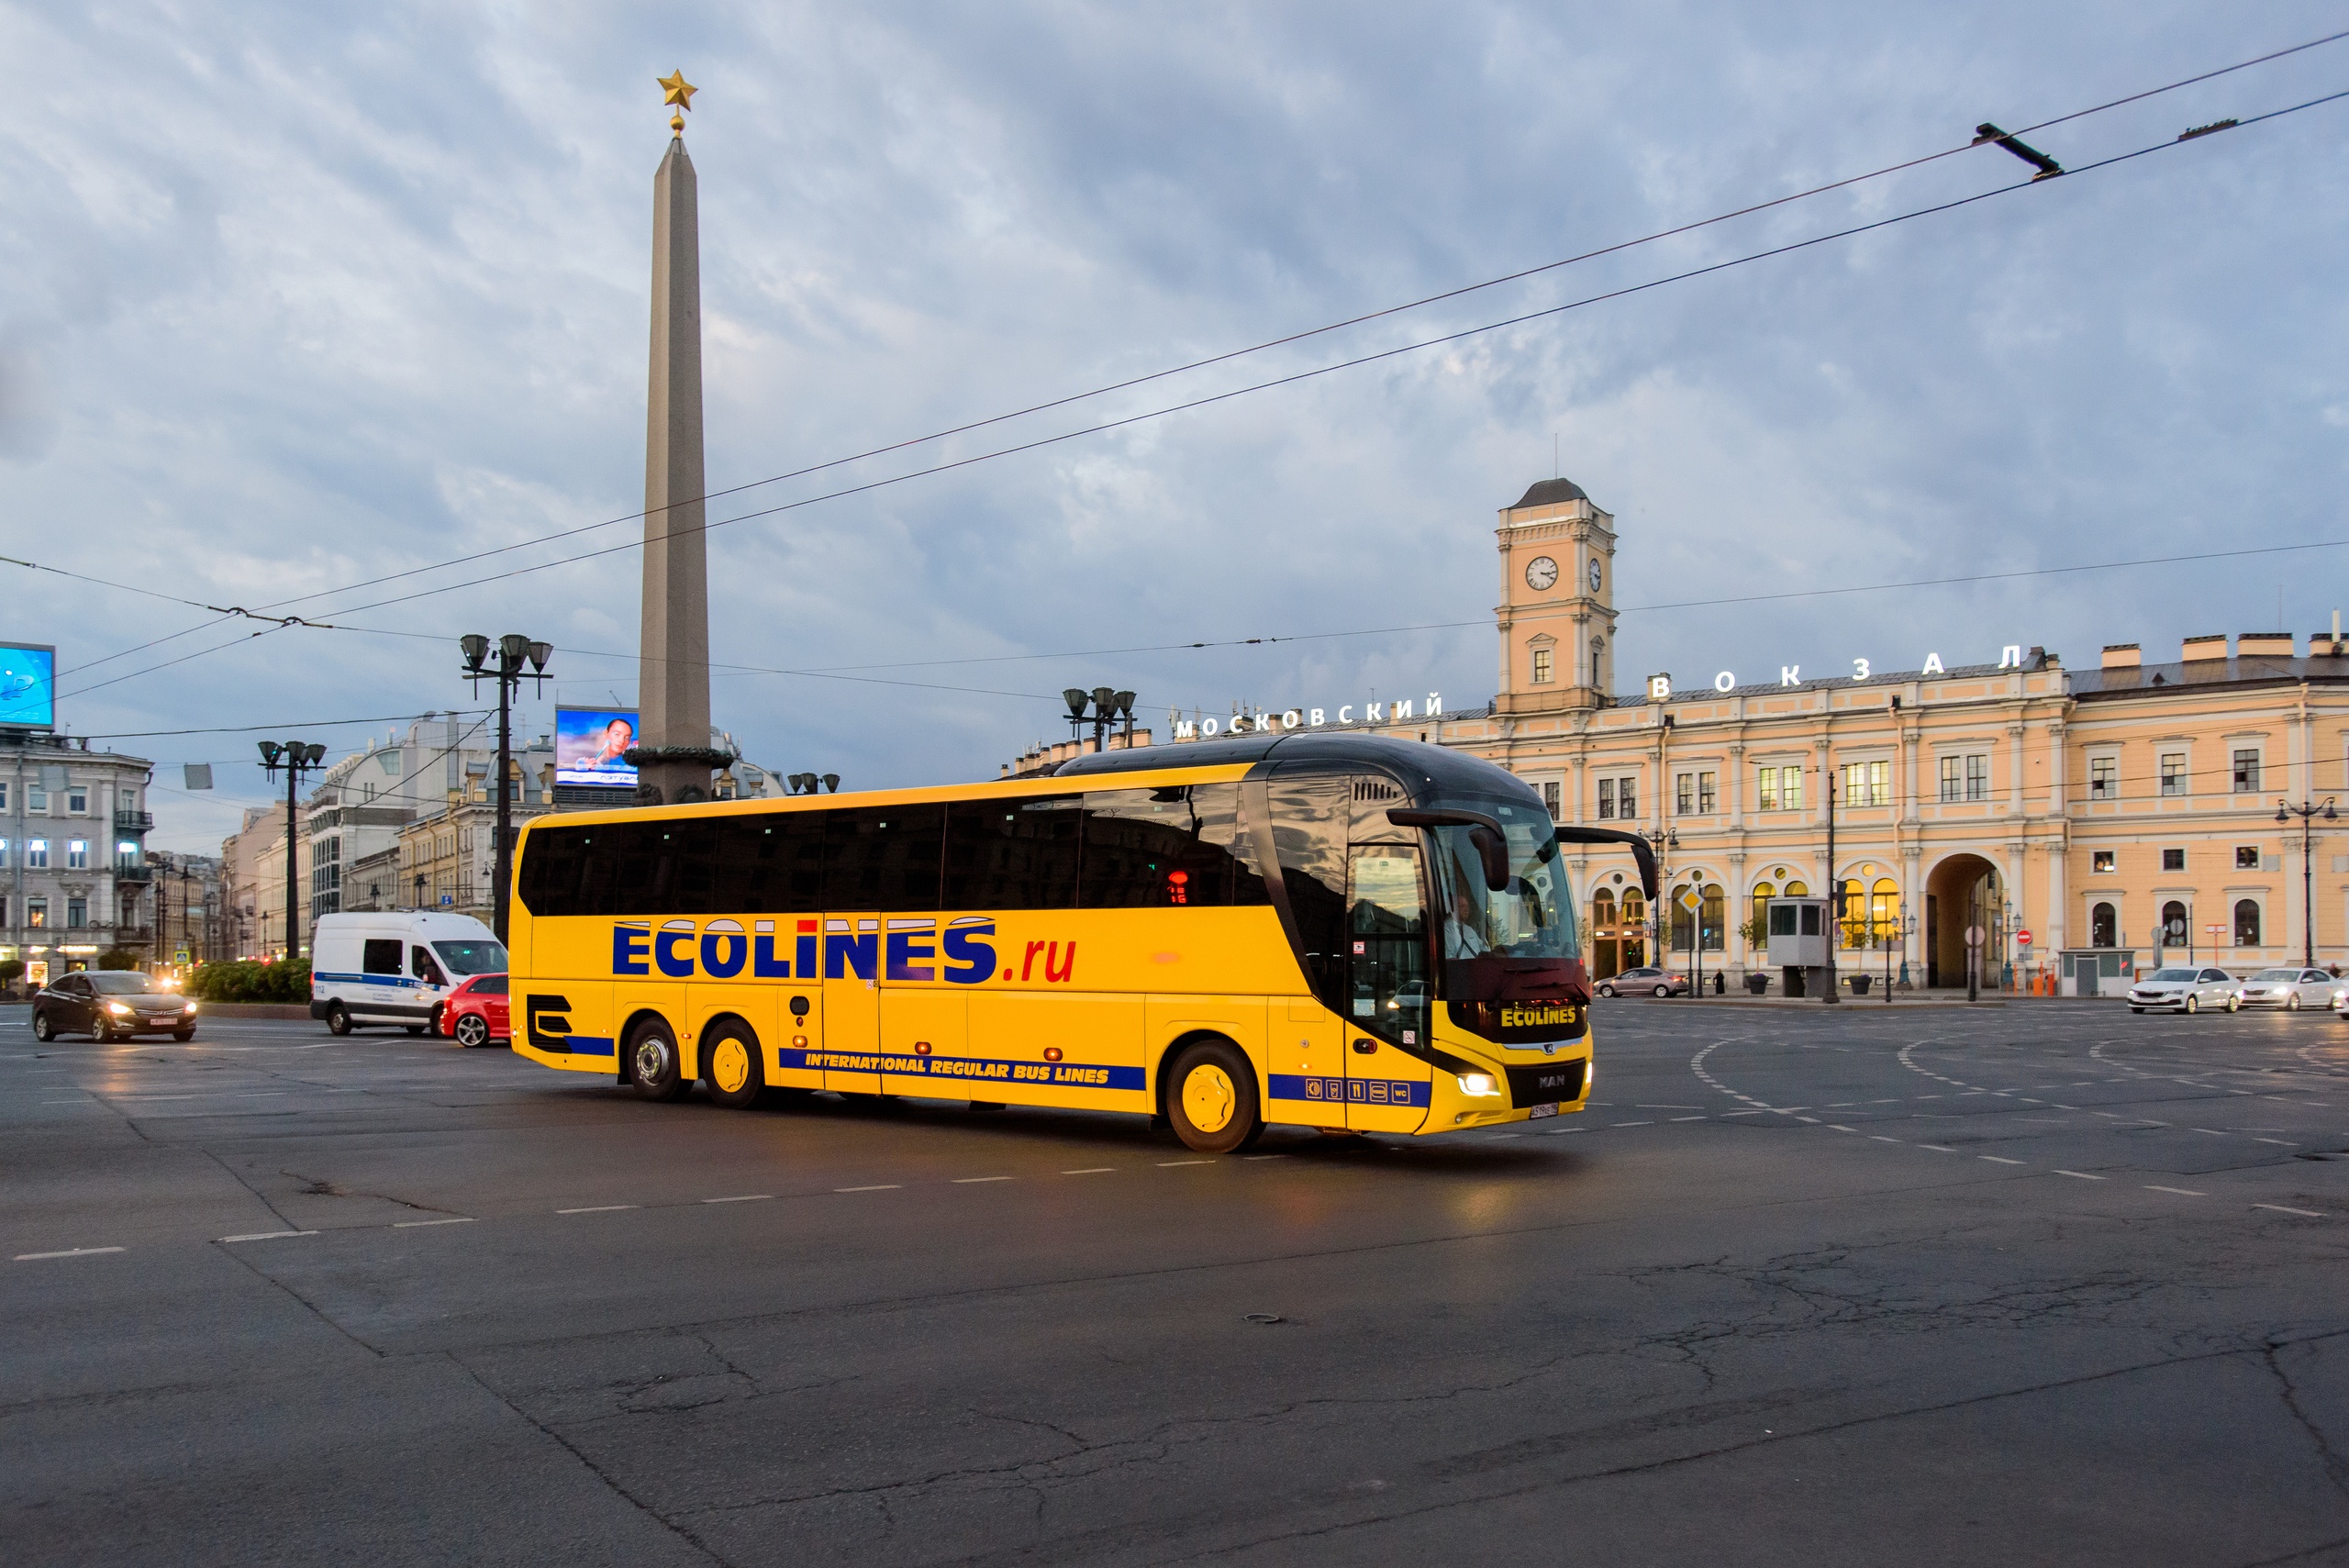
(1961, 890)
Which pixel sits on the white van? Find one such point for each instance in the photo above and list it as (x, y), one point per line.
(395, 968)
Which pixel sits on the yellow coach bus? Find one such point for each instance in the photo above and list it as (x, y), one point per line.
(1331, 930)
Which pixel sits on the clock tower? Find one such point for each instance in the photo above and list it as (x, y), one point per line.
(1557, 609)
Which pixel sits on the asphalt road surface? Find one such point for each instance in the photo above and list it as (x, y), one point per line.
(2044, 1283)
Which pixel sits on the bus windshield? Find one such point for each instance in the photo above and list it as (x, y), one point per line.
(1530, 921)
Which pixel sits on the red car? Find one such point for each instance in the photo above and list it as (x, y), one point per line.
(474, 1013)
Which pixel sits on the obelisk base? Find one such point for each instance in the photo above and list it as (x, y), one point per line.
(674, 775)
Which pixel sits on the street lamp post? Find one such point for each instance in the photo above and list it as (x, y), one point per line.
(2307, 812)
(1109, 707)
(1835, 889)
(513, 650)
(297, 757)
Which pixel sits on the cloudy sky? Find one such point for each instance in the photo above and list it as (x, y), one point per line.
(294, 296)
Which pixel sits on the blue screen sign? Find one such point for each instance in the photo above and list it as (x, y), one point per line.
(27, 687)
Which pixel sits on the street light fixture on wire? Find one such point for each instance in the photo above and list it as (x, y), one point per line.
(1109, 708)
(2308, 812)
(297, 757)
(513, 651)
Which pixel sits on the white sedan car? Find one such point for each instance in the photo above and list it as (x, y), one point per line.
(2290, 989)
(2185, 989)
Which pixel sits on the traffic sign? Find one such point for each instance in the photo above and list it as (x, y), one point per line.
(1688, 898)
(1974, 935)
(2022, 938)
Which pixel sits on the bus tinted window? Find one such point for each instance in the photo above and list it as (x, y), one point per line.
(770, 865)
(1165, 847)
(884, 857)
(1309, 820)
(1012, 854)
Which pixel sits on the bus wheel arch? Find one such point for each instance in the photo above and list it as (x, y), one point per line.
(651, 1057)
(1210, 1092)
(733, 1065)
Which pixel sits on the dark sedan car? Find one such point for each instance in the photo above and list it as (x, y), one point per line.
(110, 1004)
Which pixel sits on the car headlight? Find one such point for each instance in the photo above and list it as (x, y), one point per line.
(1480, 1086)
(189, 1009)
(118, 1009)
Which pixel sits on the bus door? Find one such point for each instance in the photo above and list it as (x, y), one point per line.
(1388, 1000)
(852, 1016)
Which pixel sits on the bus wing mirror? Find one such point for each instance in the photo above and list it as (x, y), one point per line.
(1642, 850)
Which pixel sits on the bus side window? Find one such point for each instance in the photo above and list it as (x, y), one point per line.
(1309, 819)
(1171, 848)
(884, 857)
(1013, 853)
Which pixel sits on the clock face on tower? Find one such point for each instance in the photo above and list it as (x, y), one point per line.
(1541, 572)
(1594, 575)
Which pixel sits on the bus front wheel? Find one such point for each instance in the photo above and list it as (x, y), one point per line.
(652, 1057)
(730, 1066)
(1211, 1099)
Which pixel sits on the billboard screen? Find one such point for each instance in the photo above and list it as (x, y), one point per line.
(27, 685)
(587, 746)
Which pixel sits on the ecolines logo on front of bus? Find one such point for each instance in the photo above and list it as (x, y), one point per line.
(911, 950)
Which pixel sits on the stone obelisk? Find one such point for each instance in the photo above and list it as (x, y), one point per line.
(672, 750)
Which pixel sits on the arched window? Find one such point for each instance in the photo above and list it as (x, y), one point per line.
(1635, 910)
(1684, 924)
(2104, 927)
(2247, 922)
(1715, 916)
(1797, 890)
(2173, 924)
(1884, 911)
(1851, 913)
(1602, 914)
(1762, 893)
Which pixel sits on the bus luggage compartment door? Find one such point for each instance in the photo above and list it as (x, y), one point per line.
(851, 1016)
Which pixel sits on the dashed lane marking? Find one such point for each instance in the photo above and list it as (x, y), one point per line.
(268, 1235)
(1880, 1137)
(977, 1181)
(1703, 1118)
(90, 1252)
(421, 1224)
(883, 1187)
(1838, 1126)
(1170, 1165)
(2271, 1208)
(2079, 1176)
(599, 1209)
(2181, 1192)
(1105, 1170)
(1631, 1124)
(1997, 1159)
(746, 1197)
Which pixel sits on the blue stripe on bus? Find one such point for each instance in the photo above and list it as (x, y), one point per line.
(965, 1069)
(587, 1045)
(1358, 1091)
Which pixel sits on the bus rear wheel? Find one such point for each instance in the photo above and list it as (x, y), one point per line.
(730, 1066)
(1211, 1099)
(653, 1060)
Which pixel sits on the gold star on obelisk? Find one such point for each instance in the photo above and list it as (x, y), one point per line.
(676, 89)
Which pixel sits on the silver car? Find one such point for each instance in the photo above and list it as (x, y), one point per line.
(2182, 988)
(2290, 989)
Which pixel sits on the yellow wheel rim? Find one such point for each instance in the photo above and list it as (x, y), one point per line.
(729, 1064)
(1209, 1097)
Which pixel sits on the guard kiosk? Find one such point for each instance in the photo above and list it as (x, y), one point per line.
(2097, 972)
(1798, 938)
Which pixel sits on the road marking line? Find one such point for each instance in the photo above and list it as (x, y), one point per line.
(1696, 1118)
(2279, 1143)
(1631, 1124)
(1838, 1126)
(1997, 1159)
(598, 1208)
(268, 1235)
(420, 1224)
(2079, 1176)
(1170, 1165)
(1812, 1119)
(2276, 1207)
(2209, 1131)
(746, 1197)
(1105, 1170)
(94, 1251)
(973, 1181)
(884, 1187)
(2182, 1192)
(1727, 1114)
(1882, 1138)
(1244, 1157)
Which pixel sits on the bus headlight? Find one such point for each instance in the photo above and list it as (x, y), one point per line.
(1480, 1086)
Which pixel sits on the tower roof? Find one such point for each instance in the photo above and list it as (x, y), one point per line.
(1550, 492)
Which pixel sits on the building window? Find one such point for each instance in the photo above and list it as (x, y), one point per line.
(1685, 794)
(77, 802)
(37, 853)
(1551, 801)
(1541, 666)
(3, 860)
(1709, 794)
(37, 800)
(2173, 772)
(2102, 861)
(2104, 927)
(1790, 788)
(126, 853)
(4, 794)
(77, 914)
(36, 912)
(1778, 789)
(2173, 860)
(1868, 784)
(1627, 796)
(2247, 922)
(77, 854)
(2246, 857)
(1606, 798)
(2104, 778)
(1766, 789)
(2173, 924)
(1978, 776)
(2247, 770)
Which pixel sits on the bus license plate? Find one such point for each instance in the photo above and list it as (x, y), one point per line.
(1537, 1112)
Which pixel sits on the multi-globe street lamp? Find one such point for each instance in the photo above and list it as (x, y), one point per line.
(297, 757)
(1109, 708)
(806, 784)
(513, 651)
(2307, 812)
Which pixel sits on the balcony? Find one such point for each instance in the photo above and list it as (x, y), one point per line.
(126, 872)
(134, 821)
